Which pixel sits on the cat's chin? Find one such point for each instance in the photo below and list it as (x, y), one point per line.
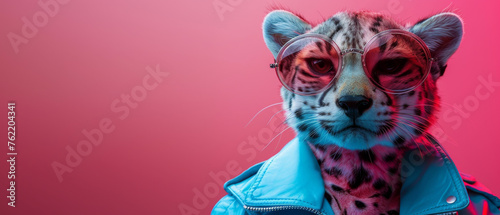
(351, 140)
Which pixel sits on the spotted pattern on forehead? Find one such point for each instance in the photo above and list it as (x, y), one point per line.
(354, 29)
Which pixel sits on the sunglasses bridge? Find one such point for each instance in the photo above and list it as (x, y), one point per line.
(351, 50)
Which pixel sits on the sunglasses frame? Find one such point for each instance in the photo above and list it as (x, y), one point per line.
(363, 52)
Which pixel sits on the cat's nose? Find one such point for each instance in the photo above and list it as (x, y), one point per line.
(354, 106)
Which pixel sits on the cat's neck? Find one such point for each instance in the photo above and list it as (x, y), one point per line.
(361, 181)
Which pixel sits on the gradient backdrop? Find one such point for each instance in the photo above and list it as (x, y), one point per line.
(170, 85)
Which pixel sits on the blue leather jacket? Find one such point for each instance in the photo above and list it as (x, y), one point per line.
(290, 183)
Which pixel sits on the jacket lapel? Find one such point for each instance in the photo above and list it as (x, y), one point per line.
(291, 177)
(431, 183)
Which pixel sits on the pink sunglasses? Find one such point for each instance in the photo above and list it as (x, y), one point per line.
(396, 61)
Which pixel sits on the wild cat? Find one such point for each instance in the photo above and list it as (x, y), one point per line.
(360, 91)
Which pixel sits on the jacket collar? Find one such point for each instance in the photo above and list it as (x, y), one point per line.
(431, 184)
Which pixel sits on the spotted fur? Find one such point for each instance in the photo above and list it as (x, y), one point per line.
(357, 187)
(360, 157)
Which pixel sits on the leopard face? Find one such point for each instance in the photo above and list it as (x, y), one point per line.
(353, 112)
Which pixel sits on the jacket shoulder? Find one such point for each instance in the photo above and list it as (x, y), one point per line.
(482, 200)
(228, 205)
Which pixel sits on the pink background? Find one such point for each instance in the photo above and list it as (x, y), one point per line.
(160, 156)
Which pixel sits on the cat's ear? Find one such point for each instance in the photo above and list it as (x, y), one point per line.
(442, 33)
(280, 26)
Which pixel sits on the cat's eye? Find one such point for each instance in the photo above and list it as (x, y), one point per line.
(395, 69)
(320, 66)
(390, 66)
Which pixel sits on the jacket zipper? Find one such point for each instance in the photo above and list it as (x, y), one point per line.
(278, 208)
(449, 213)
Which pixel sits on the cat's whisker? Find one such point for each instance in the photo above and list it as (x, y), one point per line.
(412, 136)
(273, 116)
(424, 134)
(274, 138)
(261, 112)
